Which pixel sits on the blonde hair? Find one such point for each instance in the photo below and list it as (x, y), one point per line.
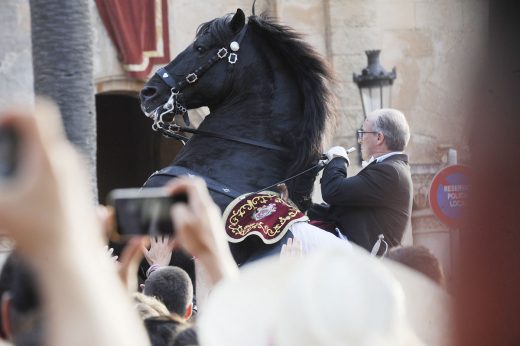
(149, 306)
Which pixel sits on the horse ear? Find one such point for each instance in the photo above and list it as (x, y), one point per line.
(238, 21)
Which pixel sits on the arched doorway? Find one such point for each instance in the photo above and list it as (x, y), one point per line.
(128, 150)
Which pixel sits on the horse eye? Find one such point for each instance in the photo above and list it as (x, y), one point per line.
(200, 49)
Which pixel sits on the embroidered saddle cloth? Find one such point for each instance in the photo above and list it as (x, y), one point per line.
(263, 214)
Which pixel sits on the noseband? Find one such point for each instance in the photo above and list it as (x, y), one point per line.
(164, 116)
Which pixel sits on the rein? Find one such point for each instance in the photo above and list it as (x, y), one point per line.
(177, 128)
(320, 165)
(220, 188)
(169, 128)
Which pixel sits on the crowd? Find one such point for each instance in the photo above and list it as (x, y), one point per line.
(61, 286)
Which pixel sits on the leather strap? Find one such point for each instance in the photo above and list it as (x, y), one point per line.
(213, 185)
(235, 139)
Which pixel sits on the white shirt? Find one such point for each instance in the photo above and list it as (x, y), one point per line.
(314, 238)
(385, 156)
(380, 158)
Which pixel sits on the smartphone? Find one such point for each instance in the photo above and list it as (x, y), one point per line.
(8, 151)
(143, 211)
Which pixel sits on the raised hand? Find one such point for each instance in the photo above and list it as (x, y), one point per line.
(337, 151)
(46, 207)
(160, 252)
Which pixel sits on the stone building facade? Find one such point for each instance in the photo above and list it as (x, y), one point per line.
(435, 45)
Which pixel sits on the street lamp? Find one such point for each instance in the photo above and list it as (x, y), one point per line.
(375, 84)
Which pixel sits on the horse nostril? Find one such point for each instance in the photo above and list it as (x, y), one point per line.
(148, 91)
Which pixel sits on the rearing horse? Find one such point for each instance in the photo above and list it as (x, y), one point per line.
(269, 100)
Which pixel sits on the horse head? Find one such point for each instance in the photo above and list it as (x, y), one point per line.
(199, 75)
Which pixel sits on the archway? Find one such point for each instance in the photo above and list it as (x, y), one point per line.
(128, 150)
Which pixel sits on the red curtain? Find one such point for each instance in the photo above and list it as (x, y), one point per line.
(139, 30)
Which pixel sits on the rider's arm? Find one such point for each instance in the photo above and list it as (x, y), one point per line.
(370, 187)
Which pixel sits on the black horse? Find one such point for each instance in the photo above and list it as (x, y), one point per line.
(269, 98)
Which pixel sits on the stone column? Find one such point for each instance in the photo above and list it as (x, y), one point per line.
(16, 73)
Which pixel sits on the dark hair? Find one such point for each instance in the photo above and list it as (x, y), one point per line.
(420, 259)
(18, 279)
(163, 330)
(172, 286)
(186, 337)
(6, 278)
(314, 76)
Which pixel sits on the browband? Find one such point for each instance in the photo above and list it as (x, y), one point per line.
(195, 75)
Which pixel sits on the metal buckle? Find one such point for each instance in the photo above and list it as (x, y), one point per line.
(191, 78)
(232, 58)
(222, 52)
(168, 105)
(174, 128)
(181, 108)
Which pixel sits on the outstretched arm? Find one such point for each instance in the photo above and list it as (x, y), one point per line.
(46, 207)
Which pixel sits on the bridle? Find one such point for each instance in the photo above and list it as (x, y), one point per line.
(164, 115)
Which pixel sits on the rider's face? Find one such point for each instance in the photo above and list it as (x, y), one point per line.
(368, 140)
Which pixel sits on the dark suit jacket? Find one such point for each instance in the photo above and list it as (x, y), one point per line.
(378, 200)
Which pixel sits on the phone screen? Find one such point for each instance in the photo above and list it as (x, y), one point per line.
(8, 151)
(143, 211)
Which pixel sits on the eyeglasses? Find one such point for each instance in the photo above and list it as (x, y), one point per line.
(361, 132)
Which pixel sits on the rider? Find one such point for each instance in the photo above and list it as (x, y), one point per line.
(378, 200)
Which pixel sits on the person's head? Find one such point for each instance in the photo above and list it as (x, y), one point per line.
(335, 296)
(383, 131)
(21, 319)
(420, 259)
(173, 287)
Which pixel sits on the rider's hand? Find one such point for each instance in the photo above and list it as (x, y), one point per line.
(338, 152)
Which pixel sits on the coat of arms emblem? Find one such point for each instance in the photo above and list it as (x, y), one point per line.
(264, 211)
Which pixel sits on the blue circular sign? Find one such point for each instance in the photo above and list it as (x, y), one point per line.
(449, 193)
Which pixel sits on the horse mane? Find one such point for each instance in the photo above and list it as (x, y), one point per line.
(313, 76)
(217, 27)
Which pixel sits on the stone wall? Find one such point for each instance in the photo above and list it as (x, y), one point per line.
(16, 77)
(435, 46)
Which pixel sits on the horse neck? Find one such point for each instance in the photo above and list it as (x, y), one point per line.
(263, 108)
(267, 99)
